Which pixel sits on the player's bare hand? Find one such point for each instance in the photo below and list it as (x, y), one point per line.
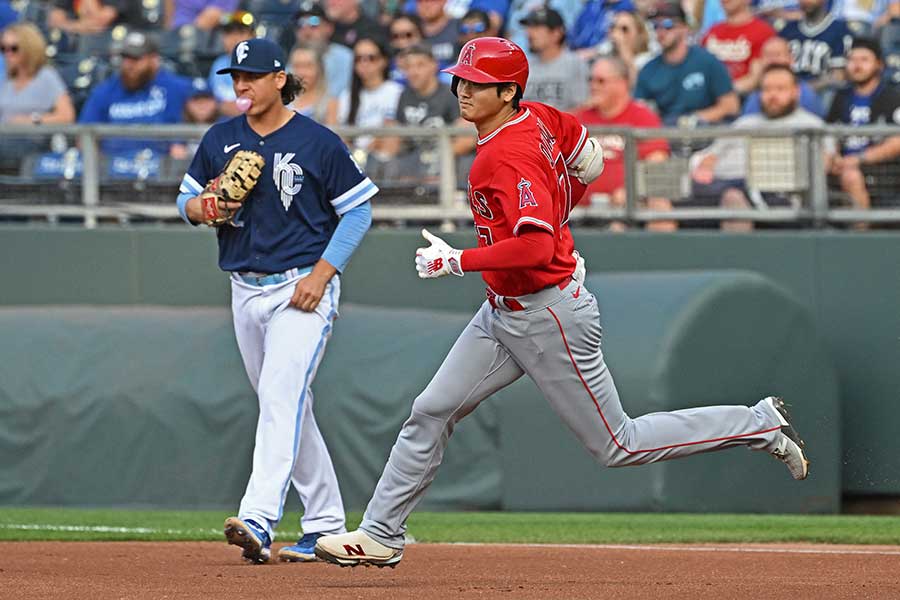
(308, 293)
(309, 290)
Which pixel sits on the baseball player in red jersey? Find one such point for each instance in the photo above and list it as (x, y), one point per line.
(537, 320)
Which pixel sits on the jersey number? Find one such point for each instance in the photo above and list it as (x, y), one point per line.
(484, 234)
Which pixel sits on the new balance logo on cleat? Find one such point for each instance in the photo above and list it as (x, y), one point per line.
(356, 548)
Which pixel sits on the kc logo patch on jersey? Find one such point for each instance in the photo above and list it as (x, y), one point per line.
(526, 196)
(288, 177)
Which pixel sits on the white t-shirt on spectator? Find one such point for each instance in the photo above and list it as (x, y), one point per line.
(375, 108)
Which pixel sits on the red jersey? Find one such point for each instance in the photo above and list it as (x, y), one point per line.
(737, 45)
(519, 180)
(636, 114)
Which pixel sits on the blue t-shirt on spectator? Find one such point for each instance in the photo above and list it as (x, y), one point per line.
(809, 100)
(8, 14)
(160, 101)
(594, 21)
(682, 89)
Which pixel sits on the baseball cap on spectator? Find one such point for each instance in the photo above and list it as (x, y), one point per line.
(867, 43)
(239, 19)
(257, 55)
(310, 13)
(543, 16)
(667, 10)
(137, 44)
(200, 88)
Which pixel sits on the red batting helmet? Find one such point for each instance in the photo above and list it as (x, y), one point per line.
(491, 60)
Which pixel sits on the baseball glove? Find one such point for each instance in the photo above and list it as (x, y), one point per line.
(233, 184)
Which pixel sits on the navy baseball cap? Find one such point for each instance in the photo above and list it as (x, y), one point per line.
(255, 56)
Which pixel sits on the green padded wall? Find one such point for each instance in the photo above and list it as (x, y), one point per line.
(678, 340)
(849, 281)
(147, 406)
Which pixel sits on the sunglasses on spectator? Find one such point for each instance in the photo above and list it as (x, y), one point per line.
(12, 49)
(366, 58)
(600, 80)
(309, 21)
(665, 24)
(473, 28)
(403, 35)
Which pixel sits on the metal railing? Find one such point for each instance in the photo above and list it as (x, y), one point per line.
(772, 149)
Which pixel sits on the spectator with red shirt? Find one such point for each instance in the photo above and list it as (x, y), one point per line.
(611, 104)
(737, 42)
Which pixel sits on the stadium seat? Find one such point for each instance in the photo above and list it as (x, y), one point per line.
(81, 75)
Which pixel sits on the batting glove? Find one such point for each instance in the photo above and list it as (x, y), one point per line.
(438, 259)
(580, 271)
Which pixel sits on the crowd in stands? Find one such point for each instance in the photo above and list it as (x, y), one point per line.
(376, 63)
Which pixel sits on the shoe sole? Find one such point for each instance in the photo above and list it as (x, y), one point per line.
(238, 534)
(290, 556)
(788, 429)
(355, 562)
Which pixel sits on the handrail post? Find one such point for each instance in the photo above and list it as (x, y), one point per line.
(90, 176)
(630, 155)
(818, 181)
(447, 185)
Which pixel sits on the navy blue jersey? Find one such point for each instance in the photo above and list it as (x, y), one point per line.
(308, 182)
(817, 49)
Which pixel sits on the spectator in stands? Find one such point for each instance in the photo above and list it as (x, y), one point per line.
(405, 31)
(520, 9)
(737, 42)
(868, 100)
(201, 108)
(426, 102)
(611, 105)
(557, 76)
(315, 29)
(351, 24)
(142, 92)
(687, 84)
(33, 92)
(370, 102)
(865, 16)
(777, 52)
(721, 169)
(819, 44)
(629, 40)
(89, 17)
(235, 27)
(202, 14)
(595, 20)
(474, 24)
(441, 32)
(315, 102)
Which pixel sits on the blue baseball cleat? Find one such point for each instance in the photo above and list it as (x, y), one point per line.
(250, 536)
(303, 551)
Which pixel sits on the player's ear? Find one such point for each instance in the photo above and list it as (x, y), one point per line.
(280, 79)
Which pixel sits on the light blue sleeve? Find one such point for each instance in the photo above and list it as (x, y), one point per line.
(349, 233)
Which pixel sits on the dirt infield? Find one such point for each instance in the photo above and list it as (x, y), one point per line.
(143, 570)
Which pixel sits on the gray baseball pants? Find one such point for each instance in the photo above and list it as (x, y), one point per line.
(555, 340)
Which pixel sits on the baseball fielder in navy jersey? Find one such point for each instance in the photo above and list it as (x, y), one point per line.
(531, 164)
(290, 240)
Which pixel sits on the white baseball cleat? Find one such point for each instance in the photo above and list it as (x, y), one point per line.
(789, 447)
(356, 548)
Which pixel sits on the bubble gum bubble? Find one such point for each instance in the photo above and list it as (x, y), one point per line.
(243, 104)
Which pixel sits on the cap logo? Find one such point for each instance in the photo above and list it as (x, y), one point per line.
(277, 64)
(241, 51)
(468, 54)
